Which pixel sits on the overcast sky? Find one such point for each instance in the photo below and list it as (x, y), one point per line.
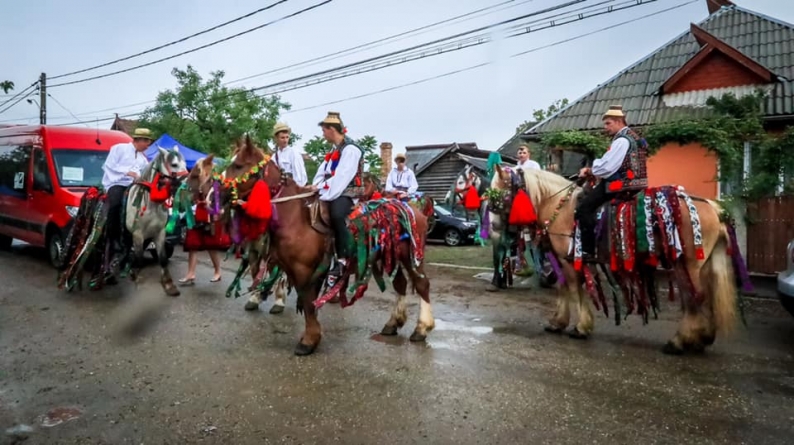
(483, 105)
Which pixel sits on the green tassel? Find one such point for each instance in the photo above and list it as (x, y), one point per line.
(642, 233)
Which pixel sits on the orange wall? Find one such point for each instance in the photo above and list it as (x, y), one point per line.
(690, 166)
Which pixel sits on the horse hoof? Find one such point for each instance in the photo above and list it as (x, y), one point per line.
(553, 329)
(671, 349)
(708, 340)
(577, 334)
(251, 306)
(303, 350)
(389, 330)
(697, 347)
(276, 309)
(417, 337)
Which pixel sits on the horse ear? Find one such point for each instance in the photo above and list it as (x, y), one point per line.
(208, 160)
(249, 144)
(163, 151)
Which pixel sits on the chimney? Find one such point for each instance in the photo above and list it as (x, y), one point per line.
(715, 5)
(385, 156)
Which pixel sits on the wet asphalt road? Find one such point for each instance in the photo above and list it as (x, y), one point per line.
(206, 371)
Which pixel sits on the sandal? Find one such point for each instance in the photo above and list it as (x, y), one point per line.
(215, 280)
(187, 281)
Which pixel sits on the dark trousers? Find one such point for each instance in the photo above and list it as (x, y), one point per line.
(338, 211)
(117, 236)
(586, 213)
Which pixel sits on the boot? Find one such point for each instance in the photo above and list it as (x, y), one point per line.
(336, 272)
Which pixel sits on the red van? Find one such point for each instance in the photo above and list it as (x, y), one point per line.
(44, 171)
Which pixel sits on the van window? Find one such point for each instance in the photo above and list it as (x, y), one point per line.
(79, 168)
(14, 168)
(41, 172)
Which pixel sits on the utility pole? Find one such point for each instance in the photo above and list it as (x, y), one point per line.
(43, 99)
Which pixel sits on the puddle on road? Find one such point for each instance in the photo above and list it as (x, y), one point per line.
(442, 325)
(57, 416)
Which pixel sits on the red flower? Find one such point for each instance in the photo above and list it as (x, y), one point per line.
(327, 157)
(335, 155)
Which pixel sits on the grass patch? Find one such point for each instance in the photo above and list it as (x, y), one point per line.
(475, 256)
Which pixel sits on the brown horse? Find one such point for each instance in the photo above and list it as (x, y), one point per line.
(712, 277)
(302, 252)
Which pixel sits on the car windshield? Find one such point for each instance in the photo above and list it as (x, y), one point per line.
(443, 211)
(79, 168)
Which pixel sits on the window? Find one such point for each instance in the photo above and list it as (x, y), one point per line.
(79, 168)
(41, 172)
(14, 168)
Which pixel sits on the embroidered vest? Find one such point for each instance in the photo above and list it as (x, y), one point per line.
(632, 174)
(356, 187)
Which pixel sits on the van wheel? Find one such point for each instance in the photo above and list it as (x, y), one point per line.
(54, 248)
(5, 242)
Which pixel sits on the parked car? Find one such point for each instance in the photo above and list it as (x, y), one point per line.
(453, 230)
(785, 280)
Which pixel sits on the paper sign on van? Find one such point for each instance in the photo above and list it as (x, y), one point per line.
(19, 181)
(74, 174)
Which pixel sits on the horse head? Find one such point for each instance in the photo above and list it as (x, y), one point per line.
(245, 159)
(198, 181)
(169, 163)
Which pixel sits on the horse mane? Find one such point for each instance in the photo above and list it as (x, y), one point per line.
(151, 168)
(542, 185)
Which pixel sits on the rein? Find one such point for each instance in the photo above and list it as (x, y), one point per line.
(293, 197)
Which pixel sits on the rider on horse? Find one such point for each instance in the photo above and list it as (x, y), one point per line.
(401, 181)
(621, 169)
(123, 166)
(339, 183)
(288, 160)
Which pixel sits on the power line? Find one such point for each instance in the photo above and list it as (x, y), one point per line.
(62, 106)
(480, 65)
(183, 39)
(17, 95)
(304, 10)
(469, 68)
(374, 43)
(16, 102)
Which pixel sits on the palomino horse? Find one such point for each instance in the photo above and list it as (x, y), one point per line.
(711, 308)
(146, 218)
(301, 251)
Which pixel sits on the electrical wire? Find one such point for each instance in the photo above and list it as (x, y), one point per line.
(183, 39)
(450, 73)
(18, 94)
(192, 50)
(62, 106)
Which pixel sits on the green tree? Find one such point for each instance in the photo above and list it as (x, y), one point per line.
(317, 147)
(541, 114)
(6, 86)
(208, 116)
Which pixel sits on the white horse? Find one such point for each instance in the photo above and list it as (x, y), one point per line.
(146, 218)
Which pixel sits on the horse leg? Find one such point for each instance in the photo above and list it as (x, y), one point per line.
(137, 255)
(562, 316)
(584, 328)
(694, 323)
(398, 314)
(312, 333)
(281, 295)
(426, 321)
(256, 298)
(165, 274)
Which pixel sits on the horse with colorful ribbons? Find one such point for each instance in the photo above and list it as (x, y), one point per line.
(383, 244)
(145, 217)
(688, 236)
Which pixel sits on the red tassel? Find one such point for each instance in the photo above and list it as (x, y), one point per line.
(652, 260)
(522, 213)
(472, 200)
(577, 264)
(376, 195)
(258, 205)
(699, 254)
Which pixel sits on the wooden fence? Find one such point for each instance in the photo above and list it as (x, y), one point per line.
(770, 227)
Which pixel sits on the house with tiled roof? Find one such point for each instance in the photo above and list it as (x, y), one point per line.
(733, 50)
(437, 165)
(124, 125)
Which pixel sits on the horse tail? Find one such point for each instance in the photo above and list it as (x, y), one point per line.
(719, 279)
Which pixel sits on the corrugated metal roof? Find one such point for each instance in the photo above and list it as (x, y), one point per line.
(766, 40)
(419, 157)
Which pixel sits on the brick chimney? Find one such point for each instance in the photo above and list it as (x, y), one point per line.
(385, 156)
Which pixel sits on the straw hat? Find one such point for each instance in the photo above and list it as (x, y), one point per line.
(142, 133)
(281, 126)
(333, 118)
(400, 156)
(614, 111)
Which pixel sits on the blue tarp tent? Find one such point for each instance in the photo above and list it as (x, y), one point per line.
(167, 142)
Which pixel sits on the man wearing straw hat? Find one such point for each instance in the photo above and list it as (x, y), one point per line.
(288, 160)
(339, 183)
(621, 169)
(401, 181)
(123, 166)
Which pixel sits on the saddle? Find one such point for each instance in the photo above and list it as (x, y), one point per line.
(320, 216)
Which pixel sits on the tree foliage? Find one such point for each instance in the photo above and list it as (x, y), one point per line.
(208, 116)
(541, 114)
(6, 86)
(317, 147)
